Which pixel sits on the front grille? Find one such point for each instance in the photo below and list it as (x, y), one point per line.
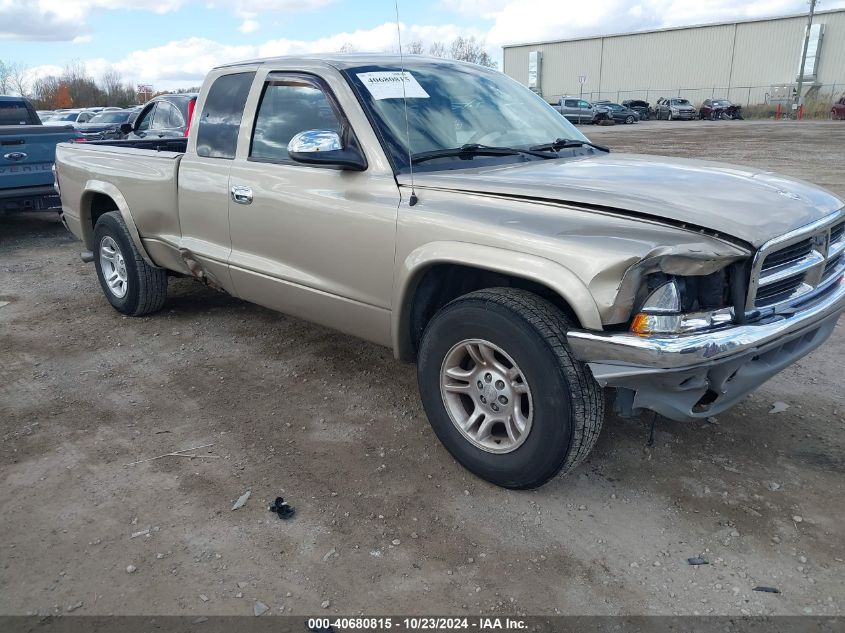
(775, 292)
(799, 265)
(832, 265)
(787, 255)
(779, 291)
(837, 232)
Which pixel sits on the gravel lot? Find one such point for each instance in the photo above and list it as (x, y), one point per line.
(386, 522)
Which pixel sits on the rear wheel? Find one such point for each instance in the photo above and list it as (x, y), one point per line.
(130, 284)
(502, 391)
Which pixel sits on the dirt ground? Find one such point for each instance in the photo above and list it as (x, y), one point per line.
(386, 521)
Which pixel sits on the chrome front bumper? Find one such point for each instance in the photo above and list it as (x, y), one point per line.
(683, 351)
(700, 375)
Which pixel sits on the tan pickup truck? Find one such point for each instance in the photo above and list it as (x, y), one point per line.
(446, 211)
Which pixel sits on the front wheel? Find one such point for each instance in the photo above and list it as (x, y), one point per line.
(501, 390)
(130, 284)
(629, 119)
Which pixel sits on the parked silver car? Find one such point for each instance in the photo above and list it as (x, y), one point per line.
(674, 108)
(579, 110)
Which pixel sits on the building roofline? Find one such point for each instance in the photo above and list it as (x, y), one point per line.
(670, 28)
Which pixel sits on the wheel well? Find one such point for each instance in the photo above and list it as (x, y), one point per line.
(100, 204)
(442, 283)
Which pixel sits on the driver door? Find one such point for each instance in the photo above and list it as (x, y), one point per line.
(311, 241)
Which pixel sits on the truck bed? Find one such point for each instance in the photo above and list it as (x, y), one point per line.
(139, 176)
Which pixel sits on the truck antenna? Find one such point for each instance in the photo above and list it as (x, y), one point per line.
(413, 199)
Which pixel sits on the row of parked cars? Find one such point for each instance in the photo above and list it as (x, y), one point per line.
(580, 110)
(163, 116)
(29, 138)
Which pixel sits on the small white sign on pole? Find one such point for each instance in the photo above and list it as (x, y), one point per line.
(582, 79)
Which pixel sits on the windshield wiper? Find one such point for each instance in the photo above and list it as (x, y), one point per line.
(470, 150)
(563, 143)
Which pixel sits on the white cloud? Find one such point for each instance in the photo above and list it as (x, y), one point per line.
(517, 21)
(184, 63)
(66, 20)
(249, 25)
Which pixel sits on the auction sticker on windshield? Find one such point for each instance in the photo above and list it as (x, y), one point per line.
(389, 85)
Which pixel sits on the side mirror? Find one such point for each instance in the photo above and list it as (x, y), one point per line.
(126, 128)
(324, 147)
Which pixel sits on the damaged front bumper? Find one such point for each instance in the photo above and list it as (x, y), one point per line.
(695, 376)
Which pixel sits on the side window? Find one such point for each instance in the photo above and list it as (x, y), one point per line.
(287, 108)
(570, 103)
(145, 119)
(167, 117)
(217, 134)
(583, 104)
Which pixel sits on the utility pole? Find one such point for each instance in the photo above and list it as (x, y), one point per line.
(804, 55)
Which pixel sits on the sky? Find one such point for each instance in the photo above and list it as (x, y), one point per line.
(173, 43)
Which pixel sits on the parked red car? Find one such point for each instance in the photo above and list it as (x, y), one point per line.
(838, 109)
(719, 109)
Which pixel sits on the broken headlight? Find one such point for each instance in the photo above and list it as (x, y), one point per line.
(683, 305)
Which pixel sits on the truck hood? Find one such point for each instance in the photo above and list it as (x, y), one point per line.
(748, 204)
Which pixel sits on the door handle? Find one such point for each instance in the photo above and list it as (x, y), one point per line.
(241, 195)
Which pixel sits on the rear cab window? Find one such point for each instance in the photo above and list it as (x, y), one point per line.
(14, 112)
(220, 119)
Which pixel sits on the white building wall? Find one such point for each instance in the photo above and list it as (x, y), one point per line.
(740, 61)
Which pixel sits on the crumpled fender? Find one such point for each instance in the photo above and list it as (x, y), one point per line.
(531, 267)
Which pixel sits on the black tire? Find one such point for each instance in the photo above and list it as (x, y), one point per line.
(568, 408)
(629, 119)
(146, 286)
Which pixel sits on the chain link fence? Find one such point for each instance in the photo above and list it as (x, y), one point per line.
(743, 95)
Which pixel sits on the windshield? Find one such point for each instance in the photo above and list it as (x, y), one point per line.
(454, 105)
(65, 116)
(680, 102)
(110, 117)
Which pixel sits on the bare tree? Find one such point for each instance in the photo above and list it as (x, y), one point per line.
(117, 91)
(13, 78)
(19, 80)
(4, 77)
(347, 48)
(415, 47)
(469, 49)
(84, 91)
(437, 49)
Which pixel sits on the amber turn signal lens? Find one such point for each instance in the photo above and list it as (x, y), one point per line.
(640, 325)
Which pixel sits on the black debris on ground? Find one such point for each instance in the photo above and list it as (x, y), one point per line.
(282, 508)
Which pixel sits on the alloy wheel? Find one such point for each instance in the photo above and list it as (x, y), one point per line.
(487, 396)
(113, 266)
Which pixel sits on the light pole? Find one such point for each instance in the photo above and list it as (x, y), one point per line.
(804, 55)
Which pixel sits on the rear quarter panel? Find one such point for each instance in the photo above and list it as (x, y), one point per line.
(142, 183)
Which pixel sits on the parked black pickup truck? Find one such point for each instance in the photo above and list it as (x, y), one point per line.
(27, 150)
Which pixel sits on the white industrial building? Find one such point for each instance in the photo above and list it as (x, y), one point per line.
(749, 62)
